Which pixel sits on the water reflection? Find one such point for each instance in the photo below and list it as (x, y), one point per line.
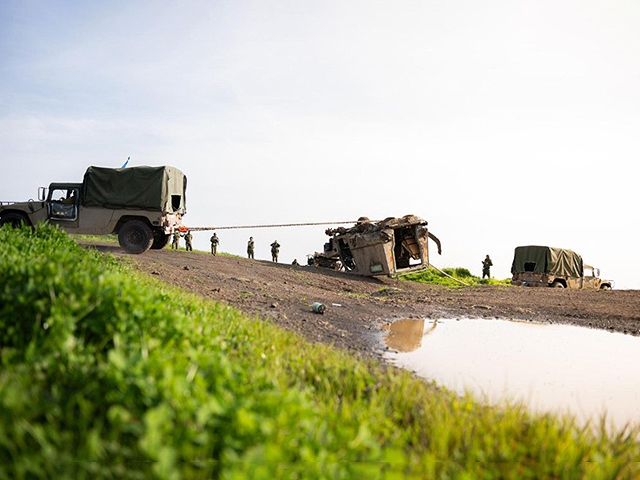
(404, 335)
(550, 367)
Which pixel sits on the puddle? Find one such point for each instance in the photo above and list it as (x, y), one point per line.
(559, 368)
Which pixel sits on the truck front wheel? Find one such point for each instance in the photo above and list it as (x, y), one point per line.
(160, 239)
(135, 236)
(16, 220)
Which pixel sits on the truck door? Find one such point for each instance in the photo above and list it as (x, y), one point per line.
(62, 207)
(589, 280)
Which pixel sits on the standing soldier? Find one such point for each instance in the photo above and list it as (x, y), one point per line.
(486, 267)
(187, 240)
(275, 249)
(176, 240)
(214, 243)
(250, 247)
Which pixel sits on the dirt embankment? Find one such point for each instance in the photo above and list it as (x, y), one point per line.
(357, 306)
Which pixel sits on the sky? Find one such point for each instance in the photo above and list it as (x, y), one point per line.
(502, 122)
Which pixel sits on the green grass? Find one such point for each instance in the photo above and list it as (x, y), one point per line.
(109, 238)
(434, 277)
(107, 373)
(206, 252)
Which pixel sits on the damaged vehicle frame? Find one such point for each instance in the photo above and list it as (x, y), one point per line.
(393, 245)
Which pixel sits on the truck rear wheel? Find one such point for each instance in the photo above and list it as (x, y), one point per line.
(160, 239)
(135, 236)
(16, 220)
(557, 284)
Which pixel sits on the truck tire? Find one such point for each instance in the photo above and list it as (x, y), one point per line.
(16, 220)
(160, 239)
(557, 284)
(605, 286)
(135, 236)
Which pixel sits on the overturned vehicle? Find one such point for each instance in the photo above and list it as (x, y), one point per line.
(393, 245)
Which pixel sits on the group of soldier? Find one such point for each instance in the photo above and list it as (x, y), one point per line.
(188, 240)
(275, 249)
(215, 241)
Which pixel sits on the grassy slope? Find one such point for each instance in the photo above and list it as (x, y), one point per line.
(434, 277)
(110, 374)
(114, 239)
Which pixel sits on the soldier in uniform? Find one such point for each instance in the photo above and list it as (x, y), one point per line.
(250, 246)
(187, 240)
(486, 267)
(176, 240)
(214, 243)
(275, 249)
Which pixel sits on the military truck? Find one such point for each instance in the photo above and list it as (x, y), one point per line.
(142, 205)
(393, 245)
(536, 266)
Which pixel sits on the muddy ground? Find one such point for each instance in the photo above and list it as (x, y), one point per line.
(356, 307)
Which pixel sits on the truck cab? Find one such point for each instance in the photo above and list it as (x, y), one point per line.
(591, 279)
(63, 204)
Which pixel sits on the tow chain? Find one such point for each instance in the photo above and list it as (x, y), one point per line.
(237, 227)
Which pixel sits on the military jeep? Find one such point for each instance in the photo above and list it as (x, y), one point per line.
(535, 266)
(142, 205)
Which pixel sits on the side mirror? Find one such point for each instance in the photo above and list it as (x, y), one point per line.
(42, 193)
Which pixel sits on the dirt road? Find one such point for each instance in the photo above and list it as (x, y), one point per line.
(357, 307)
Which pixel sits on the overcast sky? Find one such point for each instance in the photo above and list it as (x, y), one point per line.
(502, 123)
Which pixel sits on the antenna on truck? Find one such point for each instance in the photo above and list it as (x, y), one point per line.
(125, 163)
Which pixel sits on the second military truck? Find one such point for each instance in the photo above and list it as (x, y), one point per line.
(535, 265)
(142, 205)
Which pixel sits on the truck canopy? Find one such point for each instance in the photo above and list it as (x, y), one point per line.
(549, 260)
(144, 188)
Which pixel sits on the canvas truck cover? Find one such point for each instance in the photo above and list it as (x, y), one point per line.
(144, 188)
(549, 260)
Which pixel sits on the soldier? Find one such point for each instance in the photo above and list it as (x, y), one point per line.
(486, 267)
(275, 249)
(214, 244)
(250, 246)
(176, 240)
(187, 240)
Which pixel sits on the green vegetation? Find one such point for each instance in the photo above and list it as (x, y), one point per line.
(219, 253)
(110, 238)
(107, 373)
(434, 277)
